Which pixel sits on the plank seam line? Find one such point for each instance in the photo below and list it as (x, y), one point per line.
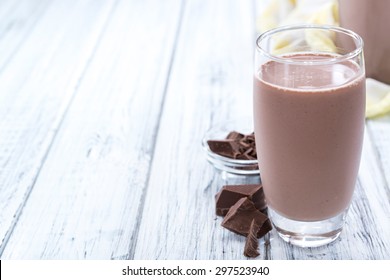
(19, 211)
(28, 32)
(141, 206)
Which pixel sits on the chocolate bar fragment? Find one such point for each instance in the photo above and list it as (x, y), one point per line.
(227, 148)
(249, 154)
(236, 145)
(234, 135)
(240, 216)
(251, 242)
(230, 194)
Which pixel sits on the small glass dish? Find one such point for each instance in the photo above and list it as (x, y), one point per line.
(225, 164)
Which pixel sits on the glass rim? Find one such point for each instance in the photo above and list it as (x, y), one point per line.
(336, 59)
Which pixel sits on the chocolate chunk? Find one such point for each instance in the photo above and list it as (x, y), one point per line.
(240, 216)
(265, 228)
(245, 157)
(249, 153)
(230, 194)
(251, 242)
(244, 144)
(251, 137)
(236, 146)
(253, 153)
(227, 148)
(234, 135)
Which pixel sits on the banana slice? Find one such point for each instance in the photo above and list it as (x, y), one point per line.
(320, 40)
(273, 13)
(326, 13)
(377, 98)
(289, 12)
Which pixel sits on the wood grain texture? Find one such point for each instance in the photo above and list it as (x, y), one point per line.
(103, 106)
(91, 184)
(211, 81)
(17, 20)
(379, 131)
(47, 51)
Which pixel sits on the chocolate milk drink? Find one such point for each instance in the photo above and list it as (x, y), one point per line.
(311, 125)
(371, 20)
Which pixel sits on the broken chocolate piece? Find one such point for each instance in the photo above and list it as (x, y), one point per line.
(251, 137)
(251, 242)
(245, 157)
(226, 148)
(253, 153)
(230, 194)
(236, 145)
(249, 154)
(244, 144)
(240, 216)
(234, 135)
(265, 228)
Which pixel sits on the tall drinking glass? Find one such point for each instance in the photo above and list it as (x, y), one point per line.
(309, 106)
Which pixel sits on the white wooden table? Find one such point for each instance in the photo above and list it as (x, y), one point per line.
(103, 105)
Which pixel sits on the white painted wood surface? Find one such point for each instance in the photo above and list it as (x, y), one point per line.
(103, 105)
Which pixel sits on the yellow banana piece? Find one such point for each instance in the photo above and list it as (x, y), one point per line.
(377, 98)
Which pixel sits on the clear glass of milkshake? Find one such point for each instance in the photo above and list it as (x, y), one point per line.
(309, 105)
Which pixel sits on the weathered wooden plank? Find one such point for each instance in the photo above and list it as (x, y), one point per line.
(17, 20)
(88, 201)
(379, 130)
(367, 225)
(41, 67)
(211, 81)
(91, 185)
